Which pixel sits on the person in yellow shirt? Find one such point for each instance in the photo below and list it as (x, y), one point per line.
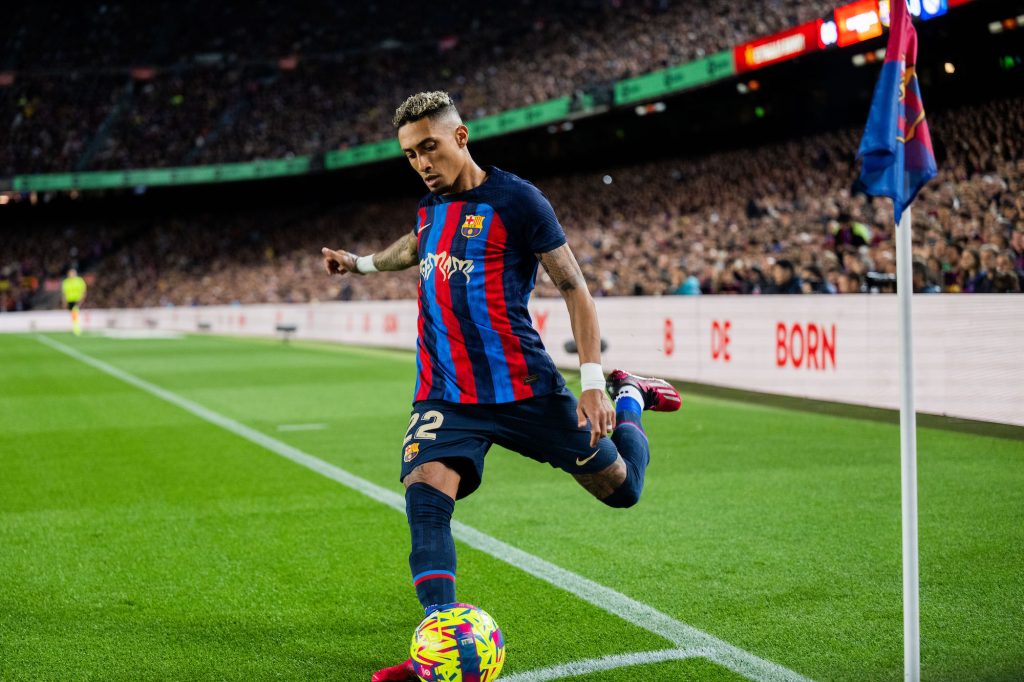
(72, 294)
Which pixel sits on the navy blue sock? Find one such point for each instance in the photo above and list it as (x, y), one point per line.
(432, 559)
(630, 439)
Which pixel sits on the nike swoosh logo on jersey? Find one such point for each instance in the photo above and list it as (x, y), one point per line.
(422, 227)
(581, 462)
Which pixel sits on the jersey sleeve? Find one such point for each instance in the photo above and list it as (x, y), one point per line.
(541, 230)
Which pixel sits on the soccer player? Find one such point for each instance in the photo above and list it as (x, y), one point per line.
(72, 294)
(483, 374)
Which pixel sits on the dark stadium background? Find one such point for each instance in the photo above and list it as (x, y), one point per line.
(817, 93)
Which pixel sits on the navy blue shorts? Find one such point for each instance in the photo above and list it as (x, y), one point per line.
(542, 428)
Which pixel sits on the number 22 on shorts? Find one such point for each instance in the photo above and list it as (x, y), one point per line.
(432, 421)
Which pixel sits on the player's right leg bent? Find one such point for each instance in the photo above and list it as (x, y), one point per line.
(632, 395)
(545, 428)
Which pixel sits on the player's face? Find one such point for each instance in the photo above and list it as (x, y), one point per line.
(436, 149)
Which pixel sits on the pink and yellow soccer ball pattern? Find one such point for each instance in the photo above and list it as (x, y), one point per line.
(458, 643)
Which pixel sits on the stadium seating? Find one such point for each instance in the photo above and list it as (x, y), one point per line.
(310, 77)
(719, 220)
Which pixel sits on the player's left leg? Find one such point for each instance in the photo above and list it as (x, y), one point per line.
(442, 460)
(430, 492)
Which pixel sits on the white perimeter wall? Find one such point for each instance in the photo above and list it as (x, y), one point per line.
(967, 348)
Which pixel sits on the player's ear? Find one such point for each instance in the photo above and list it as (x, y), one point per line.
(461, 135)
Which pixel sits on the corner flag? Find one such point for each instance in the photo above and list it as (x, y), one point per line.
(898, 160)
(896, 149)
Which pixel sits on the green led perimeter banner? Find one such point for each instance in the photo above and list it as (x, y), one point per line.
(183, 175)
(489, 126)
(520, 119)
(675, 79)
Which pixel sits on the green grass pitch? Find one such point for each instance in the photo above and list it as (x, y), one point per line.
(138, 541)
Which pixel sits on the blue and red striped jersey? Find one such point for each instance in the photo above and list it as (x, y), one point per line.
(478, 265)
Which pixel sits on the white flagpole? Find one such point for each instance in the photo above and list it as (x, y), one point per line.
(908, 455)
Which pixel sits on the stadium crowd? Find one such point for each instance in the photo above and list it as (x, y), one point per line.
(782, 218)
(308, 77)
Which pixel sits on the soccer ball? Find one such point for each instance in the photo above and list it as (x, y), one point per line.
(457, 643)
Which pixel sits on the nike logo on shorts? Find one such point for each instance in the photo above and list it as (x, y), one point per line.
(581, 462)
(422, 227)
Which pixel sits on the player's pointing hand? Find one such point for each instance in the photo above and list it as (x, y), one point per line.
(339, 262)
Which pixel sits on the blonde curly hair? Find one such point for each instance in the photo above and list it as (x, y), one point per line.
(423, 104)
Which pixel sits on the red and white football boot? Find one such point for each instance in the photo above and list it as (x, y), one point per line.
(659, 395)
(397, 673)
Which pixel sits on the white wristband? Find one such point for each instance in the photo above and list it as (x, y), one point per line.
(591, 376)
(365, 264)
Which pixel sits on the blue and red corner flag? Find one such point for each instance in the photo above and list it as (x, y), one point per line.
(896, 150)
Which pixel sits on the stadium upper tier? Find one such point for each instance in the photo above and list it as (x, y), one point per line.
(724, 219)
(122, 85)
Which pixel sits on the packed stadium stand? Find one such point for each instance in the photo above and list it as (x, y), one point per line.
(723, 219)
(774, 216)
(317, 76)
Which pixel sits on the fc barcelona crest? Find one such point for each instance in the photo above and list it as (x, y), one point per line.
(473, 226)
(411, 450)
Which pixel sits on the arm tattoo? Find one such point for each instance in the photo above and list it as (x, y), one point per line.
(563, 269)
(400, 255)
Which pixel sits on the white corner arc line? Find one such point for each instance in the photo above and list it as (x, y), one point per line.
(597, 665)
(639, 614)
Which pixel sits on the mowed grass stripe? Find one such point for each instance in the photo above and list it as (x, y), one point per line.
(138, 551)
(614, 602)
(137, 542)
(776, 530)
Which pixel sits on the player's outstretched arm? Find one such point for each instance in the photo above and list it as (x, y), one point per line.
(564, 271)
(399, 256)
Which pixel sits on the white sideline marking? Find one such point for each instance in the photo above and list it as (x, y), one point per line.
(643, 616)
(597, 665)
(301, 427)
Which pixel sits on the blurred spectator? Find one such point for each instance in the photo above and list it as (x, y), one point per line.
(922, 284)
(1007, 278)
(972, 279)
(850, 283)
(812, 281)
(784, 279)
(846, 232)
(689, 287)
